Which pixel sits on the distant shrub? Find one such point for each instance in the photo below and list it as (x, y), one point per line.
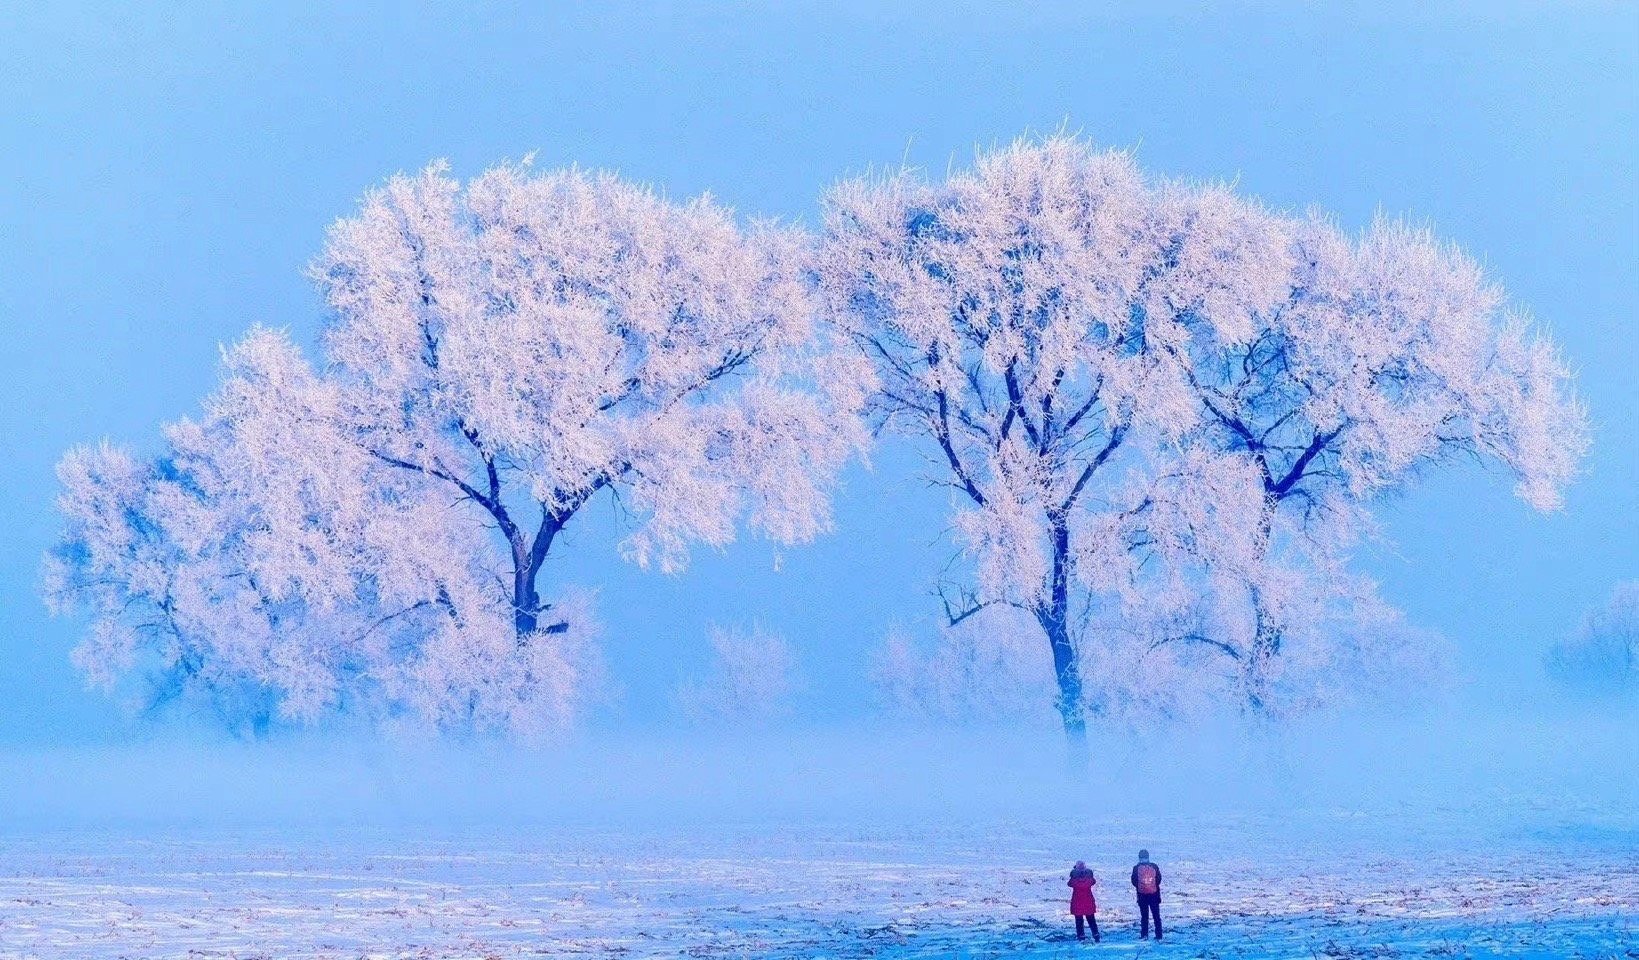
(1603, 655)
(991, 667)
(752, 679)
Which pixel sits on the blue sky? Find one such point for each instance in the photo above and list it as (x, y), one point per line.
(165, 173)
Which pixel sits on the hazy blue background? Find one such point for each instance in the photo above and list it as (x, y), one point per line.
(166, 173)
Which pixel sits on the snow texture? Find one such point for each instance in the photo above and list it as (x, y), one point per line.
(1348, 885)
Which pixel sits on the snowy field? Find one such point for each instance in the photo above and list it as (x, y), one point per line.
(1445, 889)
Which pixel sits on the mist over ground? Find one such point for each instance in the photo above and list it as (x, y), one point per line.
(1509, 769)
(1507, 832)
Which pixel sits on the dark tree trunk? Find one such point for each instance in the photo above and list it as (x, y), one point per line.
(1265, 647)
(1054, 617)
(526, 570)
(527, 554)
(1266, 637)
(525, 604)
(1068, 674)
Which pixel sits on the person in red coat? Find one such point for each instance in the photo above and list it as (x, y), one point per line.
(1082, 904)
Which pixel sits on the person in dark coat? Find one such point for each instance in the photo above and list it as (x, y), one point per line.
(1082, 904)
(1147, 883)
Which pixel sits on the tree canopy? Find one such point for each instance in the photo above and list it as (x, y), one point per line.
(1163, 410)
(1163, 413)
(371, 532)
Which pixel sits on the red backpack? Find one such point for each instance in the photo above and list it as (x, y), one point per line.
(1149, 878)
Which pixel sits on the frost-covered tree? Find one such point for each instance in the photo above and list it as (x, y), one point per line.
(1381, 357)
(752, 678)
(1160, 405)
(1014, 316)
(373, 530)
(1603, 655)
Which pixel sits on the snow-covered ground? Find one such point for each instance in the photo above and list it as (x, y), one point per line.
(1327, 884)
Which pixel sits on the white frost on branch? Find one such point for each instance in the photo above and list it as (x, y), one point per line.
(1164, 411)
(369, 535)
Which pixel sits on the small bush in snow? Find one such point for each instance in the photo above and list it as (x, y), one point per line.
(752, 679)
(1603, 655)
(991, 666)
